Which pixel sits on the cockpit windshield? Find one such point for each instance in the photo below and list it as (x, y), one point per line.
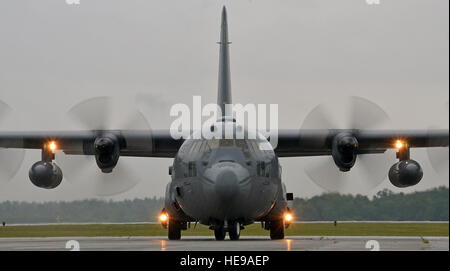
(216, 143)
(253, 145)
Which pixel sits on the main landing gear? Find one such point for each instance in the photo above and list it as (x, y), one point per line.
(174, 229)
(234, 230)
(276, 228)
(220, 233)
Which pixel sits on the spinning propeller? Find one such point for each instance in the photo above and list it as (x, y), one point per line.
(369, 170)
(439, 157)
(116, 176)
(10, 159)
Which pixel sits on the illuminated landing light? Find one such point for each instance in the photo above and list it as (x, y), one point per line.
(52, 146)
(163, 217)
(399, 144)
(288, 217)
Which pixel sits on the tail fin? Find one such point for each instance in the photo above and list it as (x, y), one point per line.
(224, 89)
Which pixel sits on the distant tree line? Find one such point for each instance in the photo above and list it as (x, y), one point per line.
(430, 205)
(92, 210)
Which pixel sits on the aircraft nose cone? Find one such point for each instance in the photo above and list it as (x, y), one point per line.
(226, 185)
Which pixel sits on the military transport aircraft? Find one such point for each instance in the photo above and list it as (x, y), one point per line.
(223, 183)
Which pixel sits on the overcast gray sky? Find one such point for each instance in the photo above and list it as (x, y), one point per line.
(293, 53)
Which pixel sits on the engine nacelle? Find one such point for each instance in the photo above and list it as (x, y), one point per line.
(45, 175)
(405, 173)
(107, 152)
(344, 151)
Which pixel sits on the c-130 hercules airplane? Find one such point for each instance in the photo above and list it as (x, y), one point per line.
(225, 184)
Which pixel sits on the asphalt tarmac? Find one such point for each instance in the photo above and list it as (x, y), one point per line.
(253, 243)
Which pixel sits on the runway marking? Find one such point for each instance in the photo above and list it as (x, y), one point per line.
(261, 243)
(206, 238)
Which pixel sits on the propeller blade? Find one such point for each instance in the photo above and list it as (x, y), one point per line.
(369, 170)
(439, 161)
(155, 108)
(122, 179)
(365, 114)
(10, 163)
(93, 113)
(75, 167)
(10, 159)
(439, 157)
(373, 168)
(325, 174)
(105, 113)
(319, 118)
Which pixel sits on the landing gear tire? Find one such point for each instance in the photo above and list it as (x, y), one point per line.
(277, 229)
(174, 230)
(219, 233)
(234, 230)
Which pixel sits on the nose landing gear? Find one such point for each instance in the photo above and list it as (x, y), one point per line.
(233, 228)
(219, 233)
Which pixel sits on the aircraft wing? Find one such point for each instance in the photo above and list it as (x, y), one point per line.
(159, 143)
(315, 142)
(138, 143)
(107, 145)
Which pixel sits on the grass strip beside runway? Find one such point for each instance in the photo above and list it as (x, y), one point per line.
(301, 229)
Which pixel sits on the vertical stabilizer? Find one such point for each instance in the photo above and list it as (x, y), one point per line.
(224, 88)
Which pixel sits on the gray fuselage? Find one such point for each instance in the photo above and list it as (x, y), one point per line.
(215, 181)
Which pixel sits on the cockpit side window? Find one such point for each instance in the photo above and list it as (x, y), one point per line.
(192, 169)
(261, 168)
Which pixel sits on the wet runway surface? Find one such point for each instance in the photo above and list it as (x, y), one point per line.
(247, 243)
